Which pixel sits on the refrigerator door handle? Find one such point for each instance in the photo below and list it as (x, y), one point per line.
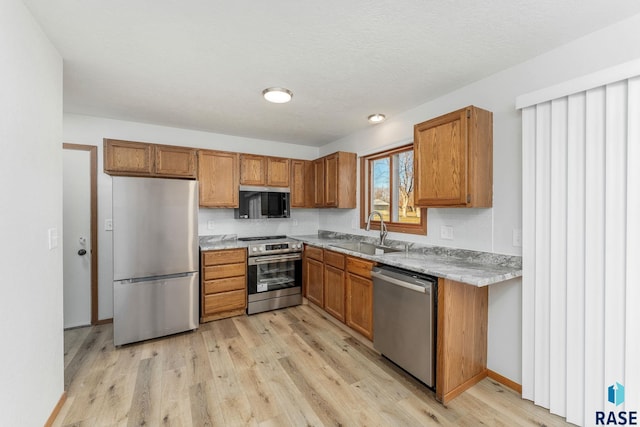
(154, 278)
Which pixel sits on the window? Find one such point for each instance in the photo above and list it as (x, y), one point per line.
(387, 187)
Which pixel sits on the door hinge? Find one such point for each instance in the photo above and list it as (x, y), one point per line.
(468, 114)
(468, 198)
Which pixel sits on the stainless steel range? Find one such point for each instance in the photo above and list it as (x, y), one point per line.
(274, 273)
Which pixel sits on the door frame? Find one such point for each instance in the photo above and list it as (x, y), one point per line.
(93, 160)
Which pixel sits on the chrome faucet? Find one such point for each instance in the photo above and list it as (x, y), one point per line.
(383, 227)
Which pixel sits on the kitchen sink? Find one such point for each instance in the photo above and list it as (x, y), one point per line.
(366, 248)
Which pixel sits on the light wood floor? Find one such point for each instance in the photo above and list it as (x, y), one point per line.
(289, 367)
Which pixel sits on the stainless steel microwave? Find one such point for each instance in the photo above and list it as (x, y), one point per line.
(263, 202)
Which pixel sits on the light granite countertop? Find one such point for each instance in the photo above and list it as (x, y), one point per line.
(466, 266)
(221, 241)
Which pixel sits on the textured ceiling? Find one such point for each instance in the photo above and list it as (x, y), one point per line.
(202, 64)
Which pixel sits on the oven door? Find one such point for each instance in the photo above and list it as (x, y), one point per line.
(274, 273)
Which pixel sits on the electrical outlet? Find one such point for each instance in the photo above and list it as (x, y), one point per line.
(517, 237)
(108, 225)
(446, 232)
(210, 224)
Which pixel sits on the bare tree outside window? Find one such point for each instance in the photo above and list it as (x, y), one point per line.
(389, 189)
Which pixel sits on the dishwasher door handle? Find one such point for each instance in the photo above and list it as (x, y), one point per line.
(410, 286)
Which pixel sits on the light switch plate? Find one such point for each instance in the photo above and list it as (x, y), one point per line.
(53, 238)
(108, 225)
(210, 224)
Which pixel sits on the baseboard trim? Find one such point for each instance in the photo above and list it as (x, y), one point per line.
(104, 321)
(56, 410)
(505, 381)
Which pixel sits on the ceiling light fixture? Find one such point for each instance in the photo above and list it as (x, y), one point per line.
(376, 118)
(277, 95)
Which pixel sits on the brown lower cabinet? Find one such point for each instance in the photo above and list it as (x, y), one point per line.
(461, 348)
(359, 315)
(223, 284)
(334, 284)
(342, 286)
(313, 275)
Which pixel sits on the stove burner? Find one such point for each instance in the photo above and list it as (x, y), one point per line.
(257, 238)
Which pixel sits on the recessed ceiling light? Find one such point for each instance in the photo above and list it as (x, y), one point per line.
(277, 95)
(376, 118)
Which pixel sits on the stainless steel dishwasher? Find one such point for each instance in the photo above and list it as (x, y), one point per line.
(404, 317)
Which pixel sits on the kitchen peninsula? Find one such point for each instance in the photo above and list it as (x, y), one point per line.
(462, 296)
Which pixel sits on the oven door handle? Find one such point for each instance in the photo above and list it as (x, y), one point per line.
(274, 258)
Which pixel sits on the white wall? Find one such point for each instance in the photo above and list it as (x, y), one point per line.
(491, 229)
(79, 129)
(31, 360)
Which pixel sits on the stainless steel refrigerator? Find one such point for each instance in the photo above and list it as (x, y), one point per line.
(155, 258)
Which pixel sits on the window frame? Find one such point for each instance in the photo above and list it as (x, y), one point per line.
(365, 199)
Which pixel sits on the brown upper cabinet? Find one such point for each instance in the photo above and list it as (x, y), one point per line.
(453, 160)
(301, 184)
(264, 170)
(218, 179)
(130, 158)
(335, 180)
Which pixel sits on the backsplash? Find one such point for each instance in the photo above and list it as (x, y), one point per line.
(221, 221)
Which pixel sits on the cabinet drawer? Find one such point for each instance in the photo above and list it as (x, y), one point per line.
(227, 256)
(359, 266)
(224, 285)
(314, 253)
(334, 259)
(225, 301)
(226, 270)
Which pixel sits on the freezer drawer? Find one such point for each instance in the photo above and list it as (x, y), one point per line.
(154, 308)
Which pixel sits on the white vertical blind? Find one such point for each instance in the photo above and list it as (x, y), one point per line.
(632, 278)
(581, 253)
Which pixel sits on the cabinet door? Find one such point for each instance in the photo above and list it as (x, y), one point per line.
(175, 161)
(318, 179)
(440, 156)
(218, 179)
(298, 172)
(359, 310)
(127, 158)
(315, 284)
(461, 336)
(331, 181)
(334, 292)
(277, 172)
(252, 169)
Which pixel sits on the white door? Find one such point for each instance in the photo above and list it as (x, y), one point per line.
(77, 238)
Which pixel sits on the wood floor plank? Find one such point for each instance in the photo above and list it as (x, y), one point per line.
(116, 402)
(73, 339)
(329, 412)
(328, 354)
(197, 359)
(247, 331)
(85, 356)
(425, 414)
(385, 404)
(293, 405)
(146, 395)
(205, 409)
